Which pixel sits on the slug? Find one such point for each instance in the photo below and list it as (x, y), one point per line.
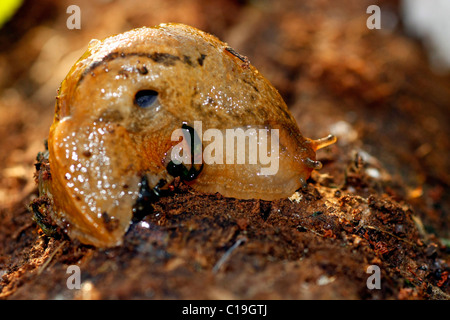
(110, 147)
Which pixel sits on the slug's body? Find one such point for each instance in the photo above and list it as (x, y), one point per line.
(116, 112)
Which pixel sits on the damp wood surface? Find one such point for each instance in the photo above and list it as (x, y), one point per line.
(382, 197)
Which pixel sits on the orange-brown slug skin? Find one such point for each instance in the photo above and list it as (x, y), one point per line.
(119, 105)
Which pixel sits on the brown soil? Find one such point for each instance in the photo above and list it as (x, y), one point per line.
(381, 199)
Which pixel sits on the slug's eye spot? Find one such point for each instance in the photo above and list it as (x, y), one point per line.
(145, 98)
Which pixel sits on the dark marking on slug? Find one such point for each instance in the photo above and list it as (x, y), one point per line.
(87, 153)
(201, 59)
(111, 224)
(187, 60)
(123, 73)
(111, 115)
(159, 57)
(164, 58)
(142, 70)
(110, 56)
(251, 84)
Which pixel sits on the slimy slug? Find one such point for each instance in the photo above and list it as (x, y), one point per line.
(111, 144)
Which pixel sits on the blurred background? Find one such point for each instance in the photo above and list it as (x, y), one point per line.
(385, 93)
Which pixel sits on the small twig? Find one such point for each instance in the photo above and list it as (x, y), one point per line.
(227, 254)
(389, 233)
(312, 231)
(46, 263)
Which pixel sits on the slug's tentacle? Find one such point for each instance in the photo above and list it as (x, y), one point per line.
(317, 165)
(323, 142)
